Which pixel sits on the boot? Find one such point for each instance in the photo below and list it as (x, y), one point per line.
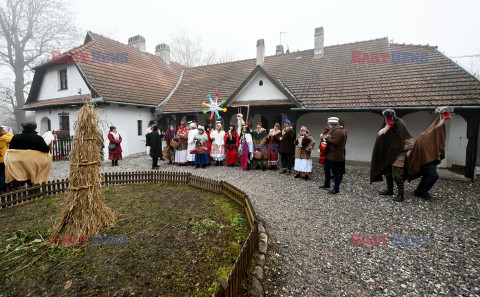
(289, 172)
(387, 192)
(197, 166)
(283, 171)
(263, 168)
(324, 187)
(274, 167)
(170, 161)
(399, 197)
(297, 175)
(204, 165)
(306, 177)
(221, 163)
(332, 192)
(113, 163)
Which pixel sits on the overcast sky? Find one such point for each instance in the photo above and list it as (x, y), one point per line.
(234, 26)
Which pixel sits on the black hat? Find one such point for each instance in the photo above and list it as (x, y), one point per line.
(29, 126)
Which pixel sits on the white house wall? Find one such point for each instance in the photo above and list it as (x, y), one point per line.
(362, 128)
(253, 92)
(124, 118)
(50, 87)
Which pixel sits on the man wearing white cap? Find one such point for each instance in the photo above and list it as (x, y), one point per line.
(335, 154)
(191, 142)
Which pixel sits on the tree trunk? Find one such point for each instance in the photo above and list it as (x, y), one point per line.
(19, 93)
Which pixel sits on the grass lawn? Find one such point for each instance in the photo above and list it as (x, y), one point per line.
(181, 240)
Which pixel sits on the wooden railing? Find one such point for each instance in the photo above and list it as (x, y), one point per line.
(228, 287)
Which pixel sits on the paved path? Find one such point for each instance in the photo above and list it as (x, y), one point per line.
(311, 232)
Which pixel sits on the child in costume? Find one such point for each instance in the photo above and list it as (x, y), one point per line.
(181, 150)
(202, 157)
(260, 137)
(273, 145)
(218, 145)
(231, 145)
(303, 153)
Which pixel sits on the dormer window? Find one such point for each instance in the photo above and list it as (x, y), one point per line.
(63, 79)
(260, 83)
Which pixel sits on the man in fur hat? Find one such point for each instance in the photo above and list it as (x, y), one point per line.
(390, 154)
(335, 154)
(428, 152)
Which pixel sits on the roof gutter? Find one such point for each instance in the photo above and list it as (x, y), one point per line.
(378, 107)
(101, 100)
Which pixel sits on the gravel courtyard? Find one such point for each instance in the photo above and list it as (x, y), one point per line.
(311, 233)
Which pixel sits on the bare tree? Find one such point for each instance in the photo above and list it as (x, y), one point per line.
(29, 31)
(190, 52)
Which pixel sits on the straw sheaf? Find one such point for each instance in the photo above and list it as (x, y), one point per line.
(85, 212)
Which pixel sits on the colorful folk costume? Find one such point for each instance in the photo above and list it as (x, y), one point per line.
(247, 148)
(231, 145)
(303, 153)
(335, 155)
(169, 135)
(29, 160)
(191, 142)
(218, 145)
(114, 147)
(260, 153)
(155, 146)
(181, 150)
(202, 157)
(273, 144)
(390, 154)
(428, 152)
(287, 147)
(208, 131)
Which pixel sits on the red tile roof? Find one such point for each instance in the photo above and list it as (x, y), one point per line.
(143, 79)
(333, 81)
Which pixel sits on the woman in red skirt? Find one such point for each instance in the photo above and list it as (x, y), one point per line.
(114, 148)
(231, 145)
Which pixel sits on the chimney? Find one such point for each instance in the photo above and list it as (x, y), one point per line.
(260, 52)
(318, 49)
(163, 51)
(279, 50)
(138, 42)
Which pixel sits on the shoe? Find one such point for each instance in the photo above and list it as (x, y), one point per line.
(324, 187)
(263, 168)
(221, 163)
(399, 198)
(297, 175)
(204, 165)
(333, 192)
(197, 166)
(425, 196)
(283, 171)
(386, 193)
(289, 172)
(306, 177)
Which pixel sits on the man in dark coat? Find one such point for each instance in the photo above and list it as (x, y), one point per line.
(335, 155)
(155, 146)
(29, 140)
(390, 154)
(428, 152)
(286, 147)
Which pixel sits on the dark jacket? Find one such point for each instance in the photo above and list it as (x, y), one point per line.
(29, 140)
(156, 144)
(336, 145)
(286, 144)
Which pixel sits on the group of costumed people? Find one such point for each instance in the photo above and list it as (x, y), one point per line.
(261, 149)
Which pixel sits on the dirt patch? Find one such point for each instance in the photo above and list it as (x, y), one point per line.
(181, 240)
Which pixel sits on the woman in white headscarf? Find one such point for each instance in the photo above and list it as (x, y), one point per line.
(218, 145)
